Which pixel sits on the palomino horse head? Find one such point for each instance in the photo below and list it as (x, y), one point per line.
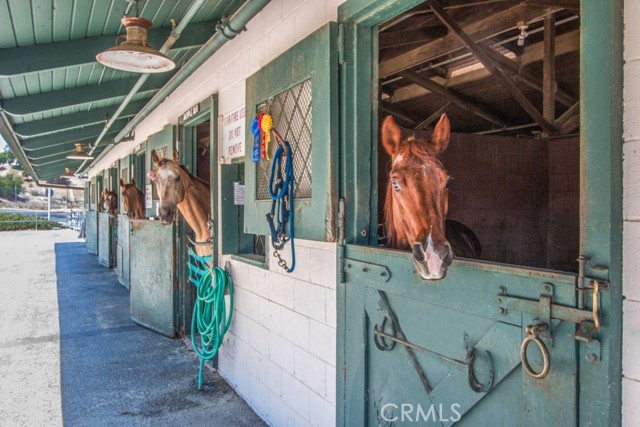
(417, 197)
(132, 199)
(109, 201)
(170, 183)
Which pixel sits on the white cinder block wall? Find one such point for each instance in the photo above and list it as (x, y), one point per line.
(280, 352)
(631, 225)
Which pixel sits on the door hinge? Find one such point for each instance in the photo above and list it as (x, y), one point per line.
(367, 270)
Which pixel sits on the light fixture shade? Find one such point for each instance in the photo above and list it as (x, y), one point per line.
(79, 153)
(135, 54)
(67, 172)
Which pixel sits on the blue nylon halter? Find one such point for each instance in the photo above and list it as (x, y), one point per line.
(282, 205)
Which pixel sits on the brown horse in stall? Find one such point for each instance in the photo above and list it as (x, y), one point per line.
(108, 202)
(417, 201)
(132, 199)
(177, 188)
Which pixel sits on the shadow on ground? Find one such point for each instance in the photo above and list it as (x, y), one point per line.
(116, 373)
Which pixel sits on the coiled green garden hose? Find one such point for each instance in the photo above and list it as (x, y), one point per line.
(210, 315)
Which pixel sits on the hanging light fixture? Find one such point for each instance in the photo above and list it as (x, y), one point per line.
(79, 153)
(67, 173)
(135, 54)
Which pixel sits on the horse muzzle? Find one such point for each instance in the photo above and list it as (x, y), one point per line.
(165, 215)
(431, 260)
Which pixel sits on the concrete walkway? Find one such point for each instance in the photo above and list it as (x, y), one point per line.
(70, 354)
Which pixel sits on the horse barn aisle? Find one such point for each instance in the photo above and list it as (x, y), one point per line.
(94, 367)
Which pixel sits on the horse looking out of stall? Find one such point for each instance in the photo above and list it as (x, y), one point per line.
(177, 188)
(417, 201)
(108, 202)
(132, 199)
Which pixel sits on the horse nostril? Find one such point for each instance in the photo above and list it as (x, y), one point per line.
(418, 252)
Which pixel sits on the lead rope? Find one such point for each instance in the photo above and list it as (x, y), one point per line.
(210, 315)
(282, 204)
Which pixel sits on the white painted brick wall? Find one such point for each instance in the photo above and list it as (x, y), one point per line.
(631, 214)
(280, 352)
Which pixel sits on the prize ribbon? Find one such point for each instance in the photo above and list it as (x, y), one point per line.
(265, 126)
(255, 130)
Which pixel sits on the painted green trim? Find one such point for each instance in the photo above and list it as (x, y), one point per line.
(250, 259)
(79, 95)
(313, 58)
(72, 121)
(73, 53)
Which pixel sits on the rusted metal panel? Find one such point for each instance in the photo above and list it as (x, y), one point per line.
(152, 276)
(105, 239)
(92, 232)
(123, 262)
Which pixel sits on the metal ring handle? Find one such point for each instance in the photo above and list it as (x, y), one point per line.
(476, 385)
(546, 365)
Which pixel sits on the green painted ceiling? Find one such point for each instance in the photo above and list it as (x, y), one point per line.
(53, 93)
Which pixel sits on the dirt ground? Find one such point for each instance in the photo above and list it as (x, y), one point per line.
(29, 328)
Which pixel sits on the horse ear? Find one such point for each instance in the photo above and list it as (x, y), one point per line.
(391, 135)
(440, 137)
(122, 183)
(176, 156)
(155, 158)
(133, 181)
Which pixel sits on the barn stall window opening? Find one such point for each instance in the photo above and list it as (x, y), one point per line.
(513, 154)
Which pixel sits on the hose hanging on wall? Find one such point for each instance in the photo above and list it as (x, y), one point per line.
(210, 315)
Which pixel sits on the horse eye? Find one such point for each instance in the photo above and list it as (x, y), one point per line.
(395, 185)
(178, 178)
(449, 181)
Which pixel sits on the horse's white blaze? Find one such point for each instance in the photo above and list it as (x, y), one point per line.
(434, 262)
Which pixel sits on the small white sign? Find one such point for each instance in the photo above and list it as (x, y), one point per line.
(191, 112)
(148, 195)
(233, 133)
(238, 193)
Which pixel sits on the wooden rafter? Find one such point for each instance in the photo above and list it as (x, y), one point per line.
(491, 66)
(565, 43)
(432, 118)
(397, 113)
(449, 95)
(549, 70)
(480, 30)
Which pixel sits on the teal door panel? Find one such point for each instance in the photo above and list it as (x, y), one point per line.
(479, 305)
(91, 238)
(123, 251)
(442, 326)
(152, 276)
(106, 243)
(300, 90)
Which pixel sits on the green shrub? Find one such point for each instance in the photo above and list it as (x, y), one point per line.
(10, 185)
(12, 222)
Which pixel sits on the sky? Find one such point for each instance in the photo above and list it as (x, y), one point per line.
(2, 144)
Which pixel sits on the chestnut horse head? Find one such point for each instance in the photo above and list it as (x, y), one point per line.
(417, 197)
(108, 201)
(179, 190)
(132, 199)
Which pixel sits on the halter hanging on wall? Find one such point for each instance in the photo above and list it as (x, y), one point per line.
(281, 190)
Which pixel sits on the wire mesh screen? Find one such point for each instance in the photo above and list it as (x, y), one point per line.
(291, 113)
(259, 245)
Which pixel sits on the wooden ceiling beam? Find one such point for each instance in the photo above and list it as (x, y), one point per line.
(566, 43)
(432, 118)
(398, 114)
(449, 95)
(479, 30)
(549, 70)
(491, 66)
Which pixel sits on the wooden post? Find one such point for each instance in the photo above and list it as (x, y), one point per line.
(549, 70)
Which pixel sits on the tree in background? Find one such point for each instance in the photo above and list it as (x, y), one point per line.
(10, 186)
(7, 155)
